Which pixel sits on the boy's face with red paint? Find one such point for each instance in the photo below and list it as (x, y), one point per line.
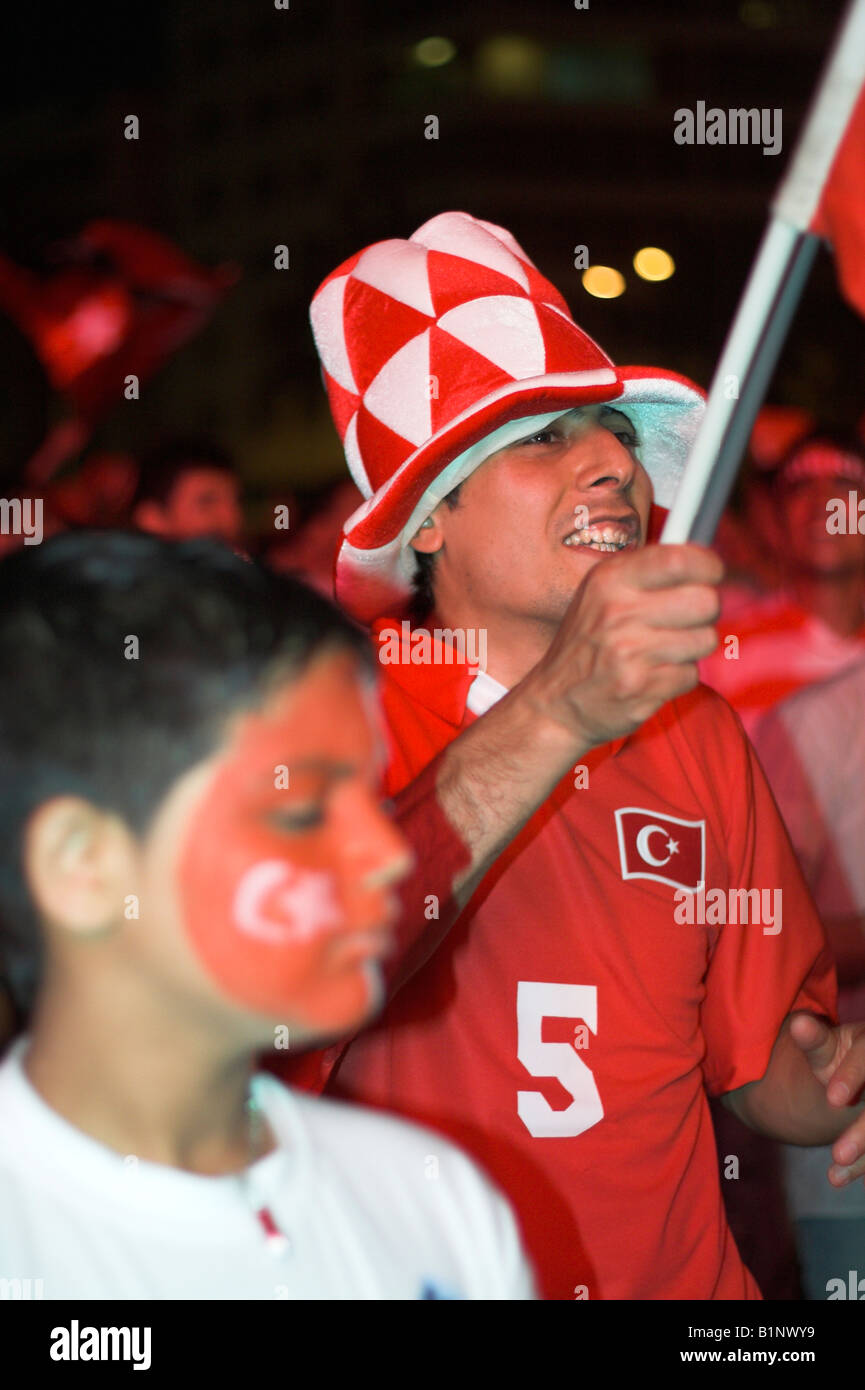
(268, 872)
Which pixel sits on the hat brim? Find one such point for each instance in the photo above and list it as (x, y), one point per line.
(375, 565)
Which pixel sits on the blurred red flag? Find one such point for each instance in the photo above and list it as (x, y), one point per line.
(120, 303)
(840, 215)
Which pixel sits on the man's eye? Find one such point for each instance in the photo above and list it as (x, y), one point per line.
(542, 437)
(628, 438)
(297, 818)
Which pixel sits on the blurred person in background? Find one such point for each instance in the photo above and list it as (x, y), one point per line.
(812, 747)
(309, 550)
(189, 487)
(100, 493)
(751, 539)
(27, 517)
(814, 625)
(748, 537)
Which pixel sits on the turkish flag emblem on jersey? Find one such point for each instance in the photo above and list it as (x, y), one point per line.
(665, 848)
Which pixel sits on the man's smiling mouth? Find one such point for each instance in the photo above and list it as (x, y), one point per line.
(607, 535)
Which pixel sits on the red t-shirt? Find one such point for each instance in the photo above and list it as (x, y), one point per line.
(567, 1028)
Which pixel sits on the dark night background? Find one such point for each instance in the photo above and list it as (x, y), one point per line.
(306, 127)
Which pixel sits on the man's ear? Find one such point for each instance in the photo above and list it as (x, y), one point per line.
(79, 862)
(149, 516)
(429, 537)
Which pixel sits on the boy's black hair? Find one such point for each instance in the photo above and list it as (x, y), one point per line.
(160, 468)
(81, 714)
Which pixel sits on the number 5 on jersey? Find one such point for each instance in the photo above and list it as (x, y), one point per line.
(535, 1002)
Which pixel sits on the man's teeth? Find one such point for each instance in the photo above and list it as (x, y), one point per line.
(600, 537)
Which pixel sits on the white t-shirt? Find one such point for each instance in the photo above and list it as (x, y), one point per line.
(361, 1206)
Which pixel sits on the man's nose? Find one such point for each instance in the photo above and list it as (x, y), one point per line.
(601, 461)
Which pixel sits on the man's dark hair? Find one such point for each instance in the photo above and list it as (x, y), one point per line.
(423, 595)
(214, 635)
(160, 468)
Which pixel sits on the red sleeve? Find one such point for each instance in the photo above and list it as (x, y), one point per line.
(756, 977)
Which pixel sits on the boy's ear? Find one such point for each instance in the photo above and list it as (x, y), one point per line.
(429, 537)
(79, 861)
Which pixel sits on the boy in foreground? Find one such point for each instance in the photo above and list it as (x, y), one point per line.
(195, 867)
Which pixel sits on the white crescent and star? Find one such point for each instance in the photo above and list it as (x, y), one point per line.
(644, 850)
(302, 903)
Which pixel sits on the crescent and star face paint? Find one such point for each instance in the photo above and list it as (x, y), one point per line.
(286, 863)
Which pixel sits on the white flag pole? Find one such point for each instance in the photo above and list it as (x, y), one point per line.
(770, 297)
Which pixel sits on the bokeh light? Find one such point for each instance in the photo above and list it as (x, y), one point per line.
(434, 52)
(510, 66)
(603, 281)
(758, 14)
(651, 263)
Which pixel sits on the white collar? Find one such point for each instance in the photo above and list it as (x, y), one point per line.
(484, 692)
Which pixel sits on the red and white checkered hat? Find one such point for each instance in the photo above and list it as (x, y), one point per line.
(435, 351)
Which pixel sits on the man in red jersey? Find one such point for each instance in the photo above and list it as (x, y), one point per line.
(603, 972)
